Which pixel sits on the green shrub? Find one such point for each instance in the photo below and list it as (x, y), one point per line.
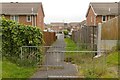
(15, 35)
(65, 32)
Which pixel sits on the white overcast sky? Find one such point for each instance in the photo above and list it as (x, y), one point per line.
(63, 10)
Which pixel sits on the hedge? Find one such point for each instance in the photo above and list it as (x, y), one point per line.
(15, 35)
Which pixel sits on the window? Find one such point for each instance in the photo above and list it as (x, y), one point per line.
(103, 18)
(15, 18)
(28, 18)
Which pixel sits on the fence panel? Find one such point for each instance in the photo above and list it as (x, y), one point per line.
(75, 35)
(49, 38)
(110, 30)
(86, 37)
(109, 34)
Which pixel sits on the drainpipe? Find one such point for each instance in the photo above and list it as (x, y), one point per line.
(32, 16)
(35, 20)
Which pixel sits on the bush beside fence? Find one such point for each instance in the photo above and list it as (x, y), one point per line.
(15, 35)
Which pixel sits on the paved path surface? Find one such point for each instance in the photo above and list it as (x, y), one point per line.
(54, 59)
(53, 55)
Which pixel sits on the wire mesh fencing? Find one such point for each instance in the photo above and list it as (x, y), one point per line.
(31, 55)
(65, 63)
(41, 55)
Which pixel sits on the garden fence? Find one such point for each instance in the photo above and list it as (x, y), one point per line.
(86, 37)
(49, 38)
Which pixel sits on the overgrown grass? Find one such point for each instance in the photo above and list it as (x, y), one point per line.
(11, 70)
(103, 67)
(70, 44)
(112, 59)
(112, 65)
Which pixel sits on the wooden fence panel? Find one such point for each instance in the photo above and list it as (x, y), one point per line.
(110, 30)
(86, 36)
(109, 34)
(49, 38)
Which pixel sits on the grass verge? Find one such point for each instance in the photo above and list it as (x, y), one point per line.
(10, 70)
(70, 44)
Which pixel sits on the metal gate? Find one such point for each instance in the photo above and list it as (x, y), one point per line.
(56, 62)
(50, 56)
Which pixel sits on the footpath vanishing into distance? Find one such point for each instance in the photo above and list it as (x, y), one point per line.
(67, 69)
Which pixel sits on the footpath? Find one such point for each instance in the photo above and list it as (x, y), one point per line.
(68, 70)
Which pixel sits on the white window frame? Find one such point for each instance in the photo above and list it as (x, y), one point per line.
(14, 18)
(11, 17)
(27, 18)
(105, 18)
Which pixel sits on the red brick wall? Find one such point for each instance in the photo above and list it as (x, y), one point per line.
(22, 20)
(98, 19)
(40, 19)
(7, 17)
(90, 14)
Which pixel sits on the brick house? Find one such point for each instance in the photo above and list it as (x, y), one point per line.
(74, 25)
(24, 13)
(57, 26)
(101, 12)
